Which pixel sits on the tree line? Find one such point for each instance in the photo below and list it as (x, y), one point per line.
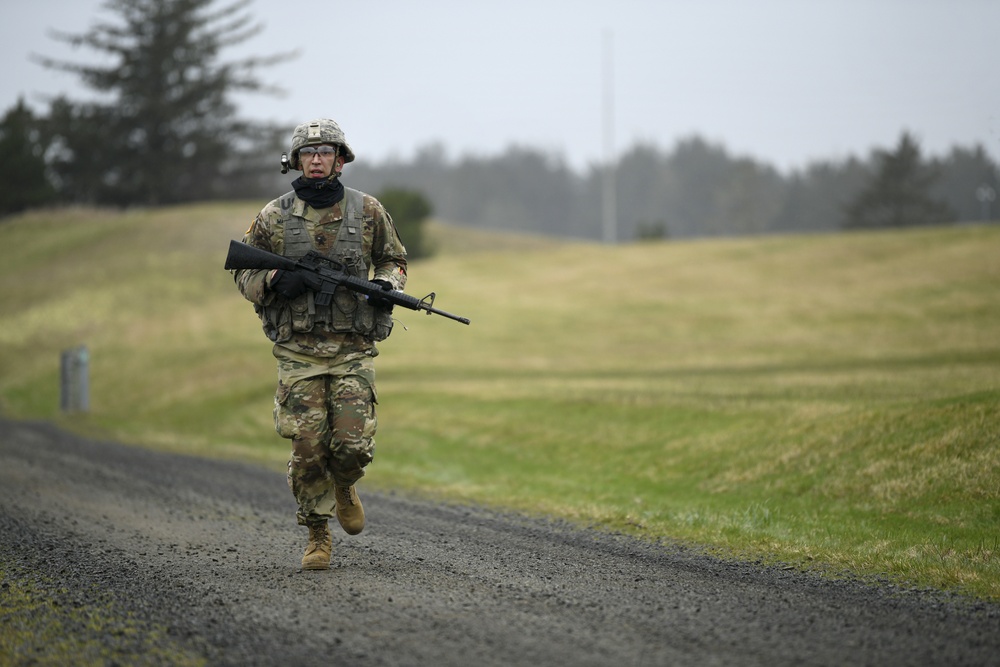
(699, 189)
(163, 130)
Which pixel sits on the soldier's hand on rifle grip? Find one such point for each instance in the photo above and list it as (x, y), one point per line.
(381, 303)
(288, 284)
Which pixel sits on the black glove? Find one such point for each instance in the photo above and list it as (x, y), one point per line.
(376, 301)
(288, 284)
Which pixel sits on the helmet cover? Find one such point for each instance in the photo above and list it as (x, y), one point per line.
(320, 131)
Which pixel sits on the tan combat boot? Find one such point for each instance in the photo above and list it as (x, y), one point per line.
(350, 513)
(317, 555)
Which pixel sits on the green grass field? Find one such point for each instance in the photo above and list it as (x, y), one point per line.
(829, 401)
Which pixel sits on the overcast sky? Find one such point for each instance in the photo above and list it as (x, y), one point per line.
(783, 81)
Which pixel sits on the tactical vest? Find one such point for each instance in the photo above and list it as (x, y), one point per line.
(348, 311)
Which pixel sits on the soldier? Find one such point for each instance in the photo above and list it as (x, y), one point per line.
(325, 400)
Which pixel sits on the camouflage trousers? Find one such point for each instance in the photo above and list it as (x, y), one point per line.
(326, 407)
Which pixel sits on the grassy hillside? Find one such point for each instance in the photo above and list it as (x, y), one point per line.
(827, 401)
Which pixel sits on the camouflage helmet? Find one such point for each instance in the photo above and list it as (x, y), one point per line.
(321, 131)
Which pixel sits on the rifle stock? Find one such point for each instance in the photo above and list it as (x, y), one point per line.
(246, 256)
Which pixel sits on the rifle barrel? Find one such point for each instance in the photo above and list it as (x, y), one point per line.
(450, 316)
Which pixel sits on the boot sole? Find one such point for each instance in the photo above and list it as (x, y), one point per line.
(352, 530)
(316, 567)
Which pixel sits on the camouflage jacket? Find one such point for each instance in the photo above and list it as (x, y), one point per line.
(381, 247)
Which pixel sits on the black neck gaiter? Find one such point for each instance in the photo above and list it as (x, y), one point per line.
(319, 193)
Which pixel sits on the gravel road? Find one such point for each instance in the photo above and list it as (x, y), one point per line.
(203, 558)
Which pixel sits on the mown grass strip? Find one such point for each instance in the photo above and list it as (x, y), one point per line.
(827, 401)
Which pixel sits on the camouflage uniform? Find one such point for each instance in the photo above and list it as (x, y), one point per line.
(325, 401)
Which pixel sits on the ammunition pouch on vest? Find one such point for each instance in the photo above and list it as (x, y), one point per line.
(348, 311)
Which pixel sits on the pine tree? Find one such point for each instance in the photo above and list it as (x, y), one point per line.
(900, 193)
(22, 167)
(170, 126)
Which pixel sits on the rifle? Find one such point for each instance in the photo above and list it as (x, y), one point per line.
(323, 275)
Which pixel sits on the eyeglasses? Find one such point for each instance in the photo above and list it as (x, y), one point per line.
(324, 151)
